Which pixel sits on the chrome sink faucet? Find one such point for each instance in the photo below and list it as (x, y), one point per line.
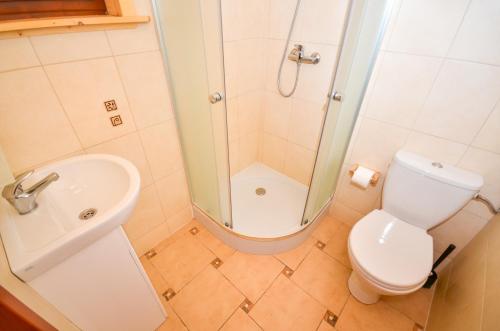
(25, 200)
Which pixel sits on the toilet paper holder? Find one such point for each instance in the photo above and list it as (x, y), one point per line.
(373, 180)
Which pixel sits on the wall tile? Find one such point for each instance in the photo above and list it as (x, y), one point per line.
(162, 148)
(376, 144)
(299, 163)
(82, 88)
(252, 18)
(230, 20)
(488, 136)
(276, 114)
(151, 239)
(273, 151)
(404, 81)
(427, 27)
(144, 80)
(458, 230)
(486, 164)
(280, 18)
(173, 193)
(29, 110)
(478, 37)
(438, 149)
(251, 57)
(451, 113)
(142, 38)
(231, 69)
(17, 53)
(306, 119)
(180, 219)
(249, 149)
(249, 110)
(130, 148)
(147, 214)
(233, 131)
(321, 21)
(56, 48)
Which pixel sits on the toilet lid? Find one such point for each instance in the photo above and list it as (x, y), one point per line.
(391, 251)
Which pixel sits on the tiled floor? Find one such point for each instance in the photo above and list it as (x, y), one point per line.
(210, 286)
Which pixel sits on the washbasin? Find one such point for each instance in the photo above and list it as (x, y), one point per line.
(94, 194)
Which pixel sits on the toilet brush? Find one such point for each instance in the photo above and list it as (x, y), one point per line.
(433, 276)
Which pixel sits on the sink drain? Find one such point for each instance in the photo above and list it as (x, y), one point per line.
(260, 191)
(87, 214)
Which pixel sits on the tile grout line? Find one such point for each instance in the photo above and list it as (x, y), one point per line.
(59, 101)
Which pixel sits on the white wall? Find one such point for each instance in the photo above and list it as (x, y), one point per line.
(435, 91)
(52, 89)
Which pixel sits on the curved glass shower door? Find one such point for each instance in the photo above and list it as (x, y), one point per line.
(189, 31)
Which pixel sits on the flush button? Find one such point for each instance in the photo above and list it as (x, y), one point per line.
(437, 164)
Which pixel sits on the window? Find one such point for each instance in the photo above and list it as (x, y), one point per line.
(13, 10)
(25, 17)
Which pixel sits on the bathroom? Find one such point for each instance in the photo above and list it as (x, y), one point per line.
(240, 165)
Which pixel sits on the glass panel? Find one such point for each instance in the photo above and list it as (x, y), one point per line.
(362, 40)
(187, 47)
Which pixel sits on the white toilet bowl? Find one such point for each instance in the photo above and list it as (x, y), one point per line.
(390, 250)
(388, 257)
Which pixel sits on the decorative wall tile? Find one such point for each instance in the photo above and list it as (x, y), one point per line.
(17, 53)
(64, 47)
(33, 126)
(145, 82)
(82, 88)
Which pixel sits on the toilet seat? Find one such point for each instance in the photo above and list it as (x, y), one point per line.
(389, 252)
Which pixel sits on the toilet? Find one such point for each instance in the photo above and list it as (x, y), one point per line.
(390, 250)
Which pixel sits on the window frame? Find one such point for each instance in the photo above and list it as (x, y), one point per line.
(120, 14)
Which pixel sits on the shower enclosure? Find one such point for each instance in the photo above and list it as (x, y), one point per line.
(266, 93)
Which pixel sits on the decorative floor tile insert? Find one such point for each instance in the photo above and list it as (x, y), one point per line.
(320, 244)
(149, 254)
(194, 230)
(330, 318)
(246, 305)
(287, 272)
(168, 294)
(216, 263)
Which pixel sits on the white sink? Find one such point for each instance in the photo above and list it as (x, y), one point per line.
(38, 241)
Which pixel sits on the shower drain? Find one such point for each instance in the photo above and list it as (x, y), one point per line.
(87, 214)
(260, 191)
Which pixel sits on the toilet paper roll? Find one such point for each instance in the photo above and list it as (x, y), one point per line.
(362, 176)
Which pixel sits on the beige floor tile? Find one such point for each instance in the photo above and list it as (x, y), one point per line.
(178, 234)
(326, 229)
(325, 279)
(377, 317)
(415, 305)
(154, 276)
(173, 322)
(221, 250)
(293, 257)
(251, 274)
(207, 301)
(324, 326)
(286, 307)
(180, 261)
(240, 321)
(337, 245)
